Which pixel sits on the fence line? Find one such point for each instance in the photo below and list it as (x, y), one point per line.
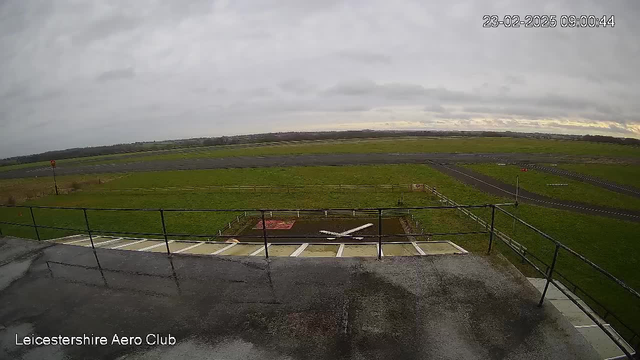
(504, 237)
(281, 188)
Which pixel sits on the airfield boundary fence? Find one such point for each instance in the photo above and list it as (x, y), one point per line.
(281, 188)
(489, 227)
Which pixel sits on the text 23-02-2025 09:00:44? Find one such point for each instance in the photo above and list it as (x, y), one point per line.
(549, 21)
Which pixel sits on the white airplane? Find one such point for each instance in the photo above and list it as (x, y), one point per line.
(346, 233)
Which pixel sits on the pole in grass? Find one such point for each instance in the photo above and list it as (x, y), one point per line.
(517, 187)
(53, 167)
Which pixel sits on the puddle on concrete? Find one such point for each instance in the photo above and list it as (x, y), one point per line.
(360, 250)
(241, 250)
(320, 251)
(399, 250)
(438, 248)
(282, 250)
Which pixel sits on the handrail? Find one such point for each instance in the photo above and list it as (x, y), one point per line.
(573, 252)
(258, 209)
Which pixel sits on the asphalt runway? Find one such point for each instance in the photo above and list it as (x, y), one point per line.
(495, 187)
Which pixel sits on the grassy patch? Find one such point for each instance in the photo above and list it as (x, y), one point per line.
(622, 174)
(536, 181)
(31, 188)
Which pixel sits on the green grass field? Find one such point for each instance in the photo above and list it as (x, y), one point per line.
(361, 146)
(608, 242)
(622, 174)
(536, 181)
(29, 188)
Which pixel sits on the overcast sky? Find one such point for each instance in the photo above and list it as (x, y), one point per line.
(83, 73)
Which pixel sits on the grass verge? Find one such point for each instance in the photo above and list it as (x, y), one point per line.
(536, 181)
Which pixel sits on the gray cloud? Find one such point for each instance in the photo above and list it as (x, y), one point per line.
(365, 57)
(105, 27)
(296, 87)
(126, 73)
(435, 109)
(96, 73)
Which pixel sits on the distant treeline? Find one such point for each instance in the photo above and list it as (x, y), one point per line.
(291, 136)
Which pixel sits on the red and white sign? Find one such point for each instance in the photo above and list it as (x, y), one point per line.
(524, 169)
(53, 163)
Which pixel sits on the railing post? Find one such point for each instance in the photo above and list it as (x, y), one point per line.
(379, 234)
(493, 217)
(164, 232)
(86, 221)
(33, 218)
(264, 235)
(550, 274)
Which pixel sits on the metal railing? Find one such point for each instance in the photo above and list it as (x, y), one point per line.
(550, 271)
(379, 213)
(522, 252)
(280, 188)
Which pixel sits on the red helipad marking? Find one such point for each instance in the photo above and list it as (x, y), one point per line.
(276, 224)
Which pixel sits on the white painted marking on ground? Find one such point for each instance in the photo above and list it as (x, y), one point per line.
(189, 248)
(346, 233)
(223, 249)
(418, 249)
(107, 242)
(65, 237)
(76, 241)
(299, 250)
(259, 250)
(588, 326)
(123, 245)
(155, 246)
(458, 247)
(340, 250)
